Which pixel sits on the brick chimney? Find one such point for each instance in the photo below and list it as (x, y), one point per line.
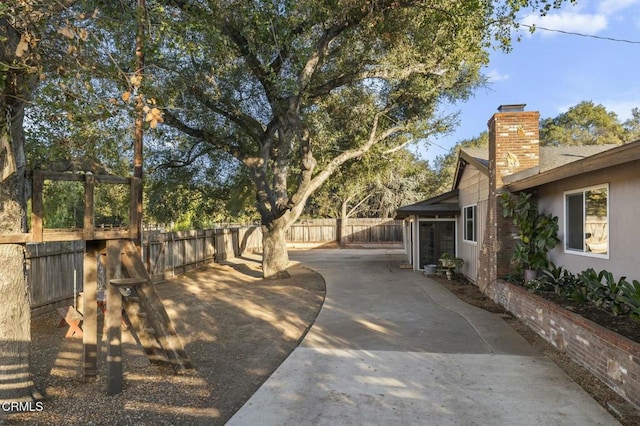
(513, 146)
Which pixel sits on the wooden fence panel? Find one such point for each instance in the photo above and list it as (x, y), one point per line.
(360, 231)
(313, 231)
(52, 270)
(249, 239)
(156, 255)
(373, 231)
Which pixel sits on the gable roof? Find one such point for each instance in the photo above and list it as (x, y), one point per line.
(551, 158)
(556, 162)
(477, 157)
(583, 159)
(443, 205)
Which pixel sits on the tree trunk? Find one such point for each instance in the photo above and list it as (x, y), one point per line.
(275, 258)
(15, 316)
(15, 326)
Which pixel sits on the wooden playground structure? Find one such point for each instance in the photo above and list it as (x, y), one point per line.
(128, 284)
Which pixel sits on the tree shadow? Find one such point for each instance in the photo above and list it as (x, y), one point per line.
(249, 265)
(235, 331)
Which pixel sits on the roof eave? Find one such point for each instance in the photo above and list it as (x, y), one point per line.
(467, 159)
(610, 158)
(426, 213)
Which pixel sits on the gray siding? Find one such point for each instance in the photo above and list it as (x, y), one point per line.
(624, 227)
(473, 186)
(474, 190)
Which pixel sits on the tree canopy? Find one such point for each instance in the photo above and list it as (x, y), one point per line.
(295, 89)
(583, 124)
(290, 90)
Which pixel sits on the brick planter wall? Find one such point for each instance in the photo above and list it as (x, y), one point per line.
(612, 358)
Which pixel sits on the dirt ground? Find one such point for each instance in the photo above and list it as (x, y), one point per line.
(237, 329)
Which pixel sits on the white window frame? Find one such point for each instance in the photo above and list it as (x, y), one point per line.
(474, 208)
(566, 227)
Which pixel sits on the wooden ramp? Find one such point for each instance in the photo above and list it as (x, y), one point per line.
(148, 316)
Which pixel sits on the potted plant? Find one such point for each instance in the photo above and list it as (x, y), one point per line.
(451, 263)
(537, 232)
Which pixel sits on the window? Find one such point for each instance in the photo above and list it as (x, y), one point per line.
(470, 223)
(587, 221)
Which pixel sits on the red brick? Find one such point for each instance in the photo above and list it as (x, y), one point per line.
(604, 347)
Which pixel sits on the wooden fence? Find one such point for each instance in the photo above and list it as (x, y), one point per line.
(352, 231)
(55, 270)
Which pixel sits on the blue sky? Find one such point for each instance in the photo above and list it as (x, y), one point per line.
(552, 71)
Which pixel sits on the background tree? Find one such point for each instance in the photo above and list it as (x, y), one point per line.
(444, 166)
(583, 124)
(196, 189)
(246, 77)
(371, 187)
(632, 126)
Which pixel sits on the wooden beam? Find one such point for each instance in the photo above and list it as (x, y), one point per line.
(37, 210)
(114, 319)
(62, 176)
(116, 180)
(80, 177)
(135, 212)
(15, 238)
(119, 234)
(51, 236)
(88, 231)
(90, 310)
(152, 305)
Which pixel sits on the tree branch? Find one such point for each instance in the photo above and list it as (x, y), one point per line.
(241, 42)
(212, 139)
(245, 121)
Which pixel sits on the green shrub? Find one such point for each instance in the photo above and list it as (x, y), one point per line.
(631, 297)
(601, 289)
(607, 294)
(537, 232)
(562, 281)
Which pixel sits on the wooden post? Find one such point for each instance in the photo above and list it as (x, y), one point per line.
(88, 229)
(36, 207)
(135, 212)
(138, 143)
(114, 319)
(90, 311)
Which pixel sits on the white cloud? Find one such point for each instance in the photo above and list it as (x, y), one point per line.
(609, 7)
(494, 76)
(568, 21)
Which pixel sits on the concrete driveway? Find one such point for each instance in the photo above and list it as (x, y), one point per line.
(391, 346)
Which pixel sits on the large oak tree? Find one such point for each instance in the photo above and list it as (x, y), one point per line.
(21, 24)
(293, 89)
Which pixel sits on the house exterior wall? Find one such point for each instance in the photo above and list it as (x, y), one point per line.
(474, 190)
(624, 224)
